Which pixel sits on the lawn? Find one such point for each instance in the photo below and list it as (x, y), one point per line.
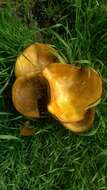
(53, 158)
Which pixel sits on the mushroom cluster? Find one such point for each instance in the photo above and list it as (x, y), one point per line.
(43, 84)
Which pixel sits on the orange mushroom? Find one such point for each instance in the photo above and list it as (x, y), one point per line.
(35, 58)
(28, 71)
(26, 93)
(73, 91)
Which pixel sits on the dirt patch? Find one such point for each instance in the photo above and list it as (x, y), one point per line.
(46, 12)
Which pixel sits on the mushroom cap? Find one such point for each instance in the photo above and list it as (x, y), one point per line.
(73, 90)
(83, 125)
(26, 92)
(35, 58)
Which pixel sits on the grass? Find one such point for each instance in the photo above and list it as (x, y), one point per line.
(54, 158)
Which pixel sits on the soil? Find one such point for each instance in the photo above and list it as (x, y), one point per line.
(37, 11)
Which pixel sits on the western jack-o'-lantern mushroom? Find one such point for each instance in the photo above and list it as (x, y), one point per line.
(29, 80)
(35, 58)
(26, 94)
(74, 92)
